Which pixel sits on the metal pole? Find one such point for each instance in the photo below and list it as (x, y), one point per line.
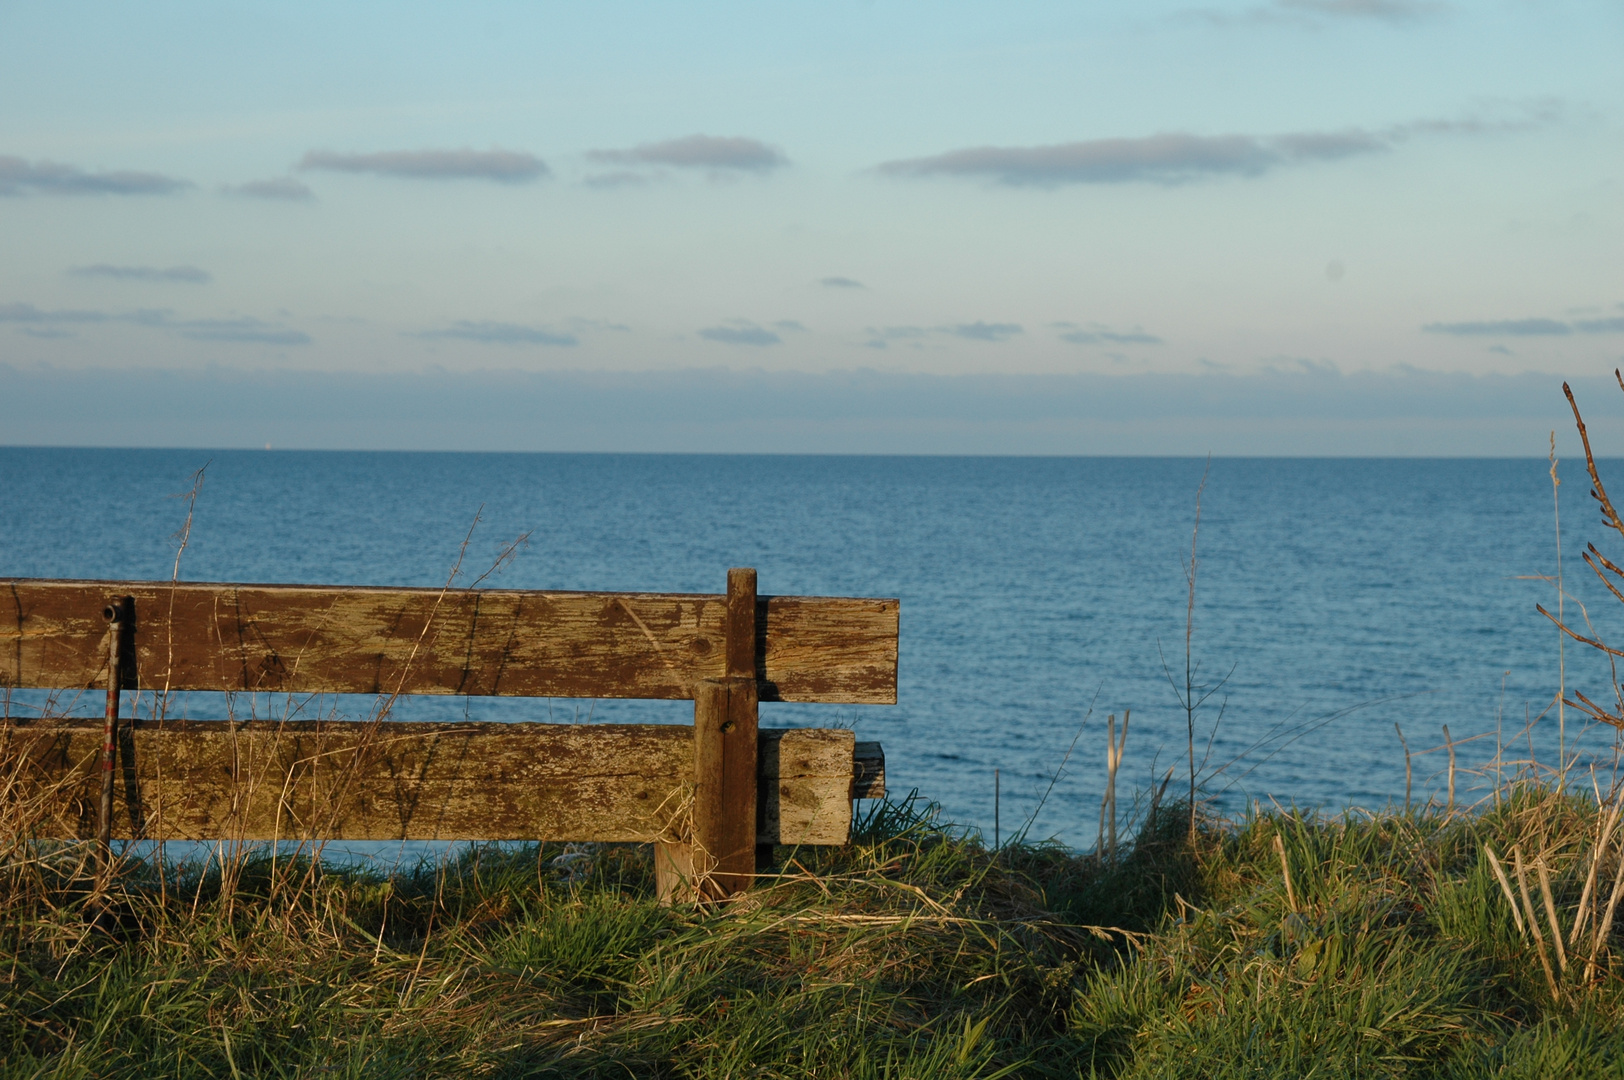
(114, 613)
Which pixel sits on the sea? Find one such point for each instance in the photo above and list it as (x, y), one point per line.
(1322, 616)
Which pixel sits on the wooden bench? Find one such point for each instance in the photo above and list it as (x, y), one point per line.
(708, 796)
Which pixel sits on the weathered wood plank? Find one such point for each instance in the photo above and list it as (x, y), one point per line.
(202, 780)
(321, 639)
(806, 786)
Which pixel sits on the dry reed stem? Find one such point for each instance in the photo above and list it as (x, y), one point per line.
(1604, 833)
(1114, 747)
(1505, 887)
(1404, 743)
(1604, 928)
(1285, 872)
(1550, 913)
(1598, 491)
(1533, 921)
(1450, 743)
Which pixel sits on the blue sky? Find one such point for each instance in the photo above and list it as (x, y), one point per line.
(1362, 187)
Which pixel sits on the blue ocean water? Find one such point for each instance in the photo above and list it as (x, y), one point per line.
(1338, 596)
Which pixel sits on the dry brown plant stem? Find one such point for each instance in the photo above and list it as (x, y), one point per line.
(1114, 747)
(1533, 920)
(1550, 913)
(1404, 743)
(1604, 927)
(1189, 633)
(1601, 568)
(1561, 642)
(1603, 834)
(1505, 887)
(1450, 743)
(1285, 873)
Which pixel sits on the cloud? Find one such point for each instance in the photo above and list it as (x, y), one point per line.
(1532, 327)
(280, 189)
(741, 333)
(1394, 10)
(983, 331)
(1315, 12)
(503, 166)
(1181, 157)
(243, 329)
(1095, 334)
(191, 275)
(880, 337)
(18, 177)
(28, 313)
(1169, 158)
(737, 154)
(500, 333)
(1501, 327)
(842, 283)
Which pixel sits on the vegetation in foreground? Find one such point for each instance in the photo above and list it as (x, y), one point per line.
(914, 952)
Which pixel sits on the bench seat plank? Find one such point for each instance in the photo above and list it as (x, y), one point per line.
(265, 780)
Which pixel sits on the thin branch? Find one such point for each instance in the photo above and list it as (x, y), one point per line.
(1575, 635)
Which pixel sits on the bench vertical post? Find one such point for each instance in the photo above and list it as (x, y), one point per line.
(721, 860)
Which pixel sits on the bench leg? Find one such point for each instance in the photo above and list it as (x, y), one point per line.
(673, 872)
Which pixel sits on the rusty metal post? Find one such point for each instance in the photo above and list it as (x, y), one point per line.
(114, 614)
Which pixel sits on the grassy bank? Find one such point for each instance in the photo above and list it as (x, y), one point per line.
(915, 952)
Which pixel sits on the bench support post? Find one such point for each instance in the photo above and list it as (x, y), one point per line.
(721, 861)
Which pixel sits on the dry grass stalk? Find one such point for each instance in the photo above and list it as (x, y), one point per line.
(1450, 743)
(1603, 834)
(1114, 746)
(1505, 887)
(1404, 743)
(1533, 920)
(1285, 872)
(1550, 913)
(1604, 927)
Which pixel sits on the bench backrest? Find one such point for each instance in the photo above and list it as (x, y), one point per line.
(352, 640)
(708, 795)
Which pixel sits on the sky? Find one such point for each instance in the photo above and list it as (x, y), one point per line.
(1289, 202)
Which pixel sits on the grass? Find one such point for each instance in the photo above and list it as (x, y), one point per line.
(913, 952)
